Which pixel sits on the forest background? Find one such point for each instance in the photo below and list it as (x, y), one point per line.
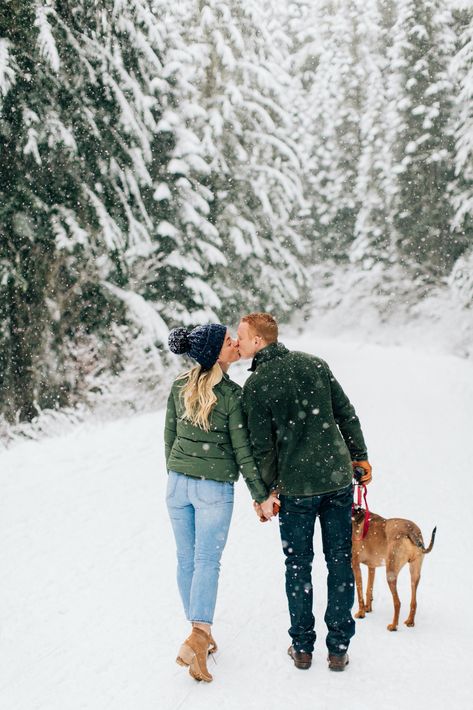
(176, 163)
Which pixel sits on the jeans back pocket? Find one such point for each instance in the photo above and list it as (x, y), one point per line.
(212, 492)
(173, 478)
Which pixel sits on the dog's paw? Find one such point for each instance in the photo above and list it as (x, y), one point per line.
(409, 623)
(360, 615)
(392, 627)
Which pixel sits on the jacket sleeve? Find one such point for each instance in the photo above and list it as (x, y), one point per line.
(347, 420)
(242, 450)
(170, 426)
(262, 436)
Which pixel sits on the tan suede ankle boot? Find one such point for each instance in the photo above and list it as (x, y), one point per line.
(213, 648)
(194, 652)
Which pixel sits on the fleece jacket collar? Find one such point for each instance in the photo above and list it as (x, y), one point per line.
(268, 353)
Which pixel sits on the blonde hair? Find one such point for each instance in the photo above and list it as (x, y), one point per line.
(264, 325)
(198, 395)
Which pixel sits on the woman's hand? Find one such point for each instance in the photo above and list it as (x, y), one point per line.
(270, 507)
(259, 512)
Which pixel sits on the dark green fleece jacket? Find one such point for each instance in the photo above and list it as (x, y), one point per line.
(222, 452)
(303, 429)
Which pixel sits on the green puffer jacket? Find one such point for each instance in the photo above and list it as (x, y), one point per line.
(303, 429)
(222, 452)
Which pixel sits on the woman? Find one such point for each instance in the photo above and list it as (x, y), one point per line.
(206, 447)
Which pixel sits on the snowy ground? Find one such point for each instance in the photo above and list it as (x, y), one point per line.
(89, 610)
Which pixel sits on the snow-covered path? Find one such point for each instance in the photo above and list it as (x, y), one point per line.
(89, 611)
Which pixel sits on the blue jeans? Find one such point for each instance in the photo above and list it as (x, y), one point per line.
(200, 512)
(296, 520)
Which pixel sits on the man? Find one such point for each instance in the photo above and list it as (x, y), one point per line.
(306, 440)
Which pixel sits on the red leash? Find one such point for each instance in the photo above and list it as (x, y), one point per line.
(361, 491)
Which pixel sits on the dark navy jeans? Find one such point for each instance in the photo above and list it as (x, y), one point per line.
(296, 520)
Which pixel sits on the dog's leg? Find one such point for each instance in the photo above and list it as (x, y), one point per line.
(369, 590)
(392, 571)
(359, 589)
(414, 567)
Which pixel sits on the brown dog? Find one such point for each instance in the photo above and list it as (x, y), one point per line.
(392, 543)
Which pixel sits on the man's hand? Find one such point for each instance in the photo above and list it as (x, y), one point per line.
(366, 466)
(270, 507)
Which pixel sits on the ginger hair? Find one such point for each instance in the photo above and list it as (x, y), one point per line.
(264, 325)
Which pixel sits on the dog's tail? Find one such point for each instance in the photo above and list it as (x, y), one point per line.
(432, 540)
(417, 540)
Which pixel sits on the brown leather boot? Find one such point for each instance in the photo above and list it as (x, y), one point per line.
(301, 659)
(337, 663)
(194, 652)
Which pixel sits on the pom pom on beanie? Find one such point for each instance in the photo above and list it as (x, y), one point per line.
(178, 341)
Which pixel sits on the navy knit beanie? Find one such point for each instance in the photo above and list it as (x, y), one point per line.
(202, 344)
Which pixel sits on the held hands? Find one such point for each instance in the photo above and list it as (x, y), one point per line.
(258, 511)
(268, 509)
(366, 466)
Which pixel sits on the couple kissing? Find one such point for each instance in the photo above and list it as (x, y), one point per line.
(294, 435)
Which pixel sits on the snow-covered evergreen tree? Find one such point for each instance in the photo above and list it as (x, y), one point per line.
(173, 271)
(462, 69)
(304, 56)
(28, 59)
(92, 187)
(245, 126)
(421, 95)
(334, 104)
(373, 245)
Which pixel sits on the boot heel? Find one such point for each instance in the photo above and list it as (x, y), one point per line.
(185, 655)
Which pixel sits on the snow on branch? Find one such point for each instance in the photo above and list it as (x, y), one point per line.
(59, 133)
(211, 253)
(143, 313)
(203, 293)
(277, 110)
(281, 147)
(76, 234)
(74, 44)
(7, 71)
(129, 119)
(184, 262)
(112, 235)
(224, 51)
(262, 114)
(47, 44)
(191, 216)
(31, 119)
